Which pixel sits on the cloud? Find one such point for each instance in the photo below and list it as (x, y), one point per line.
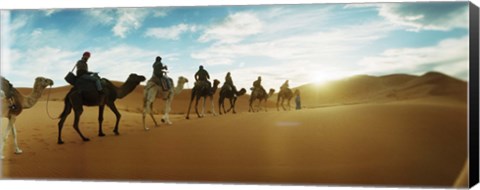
(114, 63)
(170, 33)
(441, 16)
(233, 29)
(123, 20)
(449, 56)
(128, 19)
(49, 62)
(160, 12)
(103, 16)
(49, 12)
(314, 46)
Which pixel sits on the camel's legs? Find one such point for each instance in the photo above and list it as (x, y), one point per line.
(220, 104)
(78, 112)
(203, 107)
(250, 108)
(143, 119)
(288, 103)
(146, 110)
(190, 105)
(5, 136)
(278, 101)
(196, 105)
(154, 120)
(168, 108)
(232, 104)
(63, 117)
(100, 120)
(213, 105)
(14, 132)
(148, 99)
(112, 107)
(283, 106)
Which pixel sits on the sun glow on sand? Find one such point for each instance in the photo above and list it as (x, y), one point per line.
(321, 78)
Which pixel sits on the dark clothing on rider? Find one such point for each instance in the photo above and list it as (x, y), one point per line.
(82, 67)
(158, 68)
(229, 81)
(257, 84)
(202, 75)
(82, 72)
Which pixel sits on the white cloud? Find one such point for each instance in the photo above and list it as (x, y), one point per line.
(123, 20)
(104, 16)
(423, 16)
(233, 29)
(171, 33)
(46, 61)
(49, 12)
(19, 22)
(315, 46)
(114, 63)
(160, 13)
(128, 19)
(449, 56)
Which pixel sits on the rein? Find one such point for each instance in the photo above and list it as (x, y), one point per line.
(48, 99)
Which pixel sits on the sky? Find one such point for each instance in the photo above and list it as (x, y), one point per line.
(300, 43)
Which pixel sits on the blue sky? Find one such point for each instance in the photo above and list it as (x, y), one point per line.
(300, 43)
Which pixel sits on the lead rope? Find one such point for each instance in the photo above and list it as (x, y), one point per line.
(48, 99)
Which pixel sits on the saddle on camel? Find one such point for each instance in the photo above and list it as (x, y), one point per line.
(160, 77)
(85, 80)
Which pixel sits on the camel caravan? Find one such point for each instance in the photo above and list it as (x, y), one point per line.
(88, 89)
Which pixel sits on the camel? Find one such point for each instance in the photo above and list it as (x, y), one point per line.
(201, 89)
(261, 95)
(284, 94)
(152, 91)
(78, 96)
(228, 92)
(21, 102)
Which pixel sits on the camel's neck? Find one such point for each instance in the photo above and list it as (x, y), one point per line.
(125, 89)
(30, 100)
(214, 89)
(179, 87)
(270, 94)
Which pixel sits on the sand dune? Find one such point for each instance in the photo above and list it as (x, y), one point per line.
(396, 87)
(418, 138)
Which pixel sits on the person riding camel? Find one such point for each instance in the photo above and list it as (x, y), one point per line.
(82, 72)
(258, 85)
(229, 81)
(158, 71)
(8, 91)
(284, 86)
(202, 76)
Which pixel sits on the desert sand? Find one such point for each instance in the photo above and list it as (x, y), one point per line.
(396, 130)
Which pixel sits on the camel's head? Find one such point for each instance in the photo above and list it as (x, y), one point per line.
(271, 91)
(216, 82)
(182, 80)
(136, 78)
(242, 92)
(43, 82)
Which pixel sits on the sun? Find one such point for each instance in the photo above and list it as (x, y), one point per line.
(321, 78)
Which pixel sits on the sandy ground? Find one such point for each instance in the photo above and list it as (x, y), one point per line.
(420, 141)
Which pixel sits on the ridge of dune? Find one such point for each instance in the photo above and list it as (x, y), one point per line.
(395, 87)
(351, 90)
